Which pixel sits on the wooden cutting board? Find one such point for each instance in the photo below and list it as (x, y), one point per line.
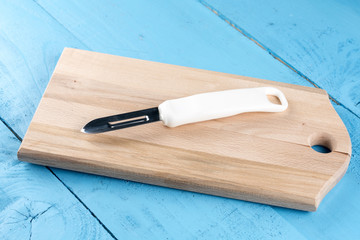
(260, 157)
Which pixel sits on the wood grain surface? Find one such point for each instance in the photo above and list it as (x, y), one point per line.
(261, 157)
(33, 35)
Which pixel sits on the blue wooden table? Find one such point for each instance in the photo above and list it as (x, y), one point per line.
(307, 42)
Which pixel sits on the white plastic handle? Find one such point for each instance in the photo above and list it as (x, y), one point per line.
(213, 105)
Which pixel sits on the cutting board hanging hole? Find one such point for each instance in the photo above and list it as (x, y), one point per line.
(322, 142)
(321, 149)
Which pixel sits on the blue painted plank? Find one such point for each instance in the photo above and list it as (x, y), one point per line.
(30, 45)
(35, 205)
(182, 33)
(320, 39)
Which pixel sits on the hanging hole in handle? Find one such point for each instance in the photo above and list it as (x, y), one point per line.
(274, 99)
(322, 142)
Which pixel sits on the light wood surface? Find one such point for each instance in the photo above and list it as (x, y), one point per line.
(261, 157)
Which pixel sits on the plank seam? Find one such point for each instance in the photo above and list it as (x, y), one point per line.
(268, 50)
(84, 205)
(66, 29)
(77, 198)
(10, 128)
